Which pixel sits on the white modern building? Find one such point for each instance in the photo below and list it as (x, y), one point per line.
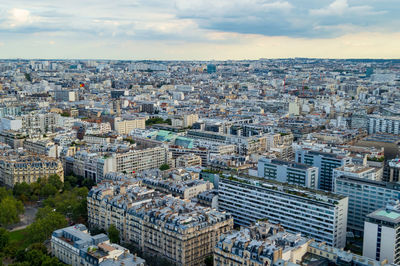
(382, 234)
(325, 162)
(316, 214)
(288, 172)
(365, 196)
(11, 124)
(383, 124)
(359, 171)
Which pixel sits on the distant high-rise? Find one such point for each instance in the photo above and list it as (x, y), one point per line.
(211, 69)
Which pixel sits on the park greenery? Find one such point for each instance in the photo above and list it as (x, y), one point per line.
(61, 204)
(158, 120)
(10, 208)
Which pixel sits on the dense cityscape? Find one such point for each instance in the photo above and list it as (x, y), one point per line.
(253, 162)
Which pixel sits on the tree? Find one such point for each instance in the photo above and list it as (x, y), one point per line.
(88, 182)
(36, 257)
(70, 180)
(4, 193)
(55, 180)
(4, 238)
(113, 234)
(71, 204)
(42, 228)
(48, 190)
(209, 261)
(28, 77)
(22, 191)
(96, 230)
(164, 167)
(10, 209)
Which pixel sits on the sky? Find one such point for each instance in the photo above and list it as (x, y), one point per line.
(199, 29)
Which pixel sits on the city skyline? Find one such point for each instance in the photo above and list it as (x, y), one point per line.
(199, 30)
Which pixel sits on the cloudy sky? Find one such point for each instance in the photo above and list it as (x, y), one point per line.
(199, 29)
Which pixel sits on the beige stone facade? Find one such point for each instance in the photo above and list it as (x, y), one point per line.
(28, 169)
(179, 230)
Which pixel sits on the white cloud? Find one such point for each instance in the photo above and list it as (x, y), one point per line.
(342, 7)
(21, 17)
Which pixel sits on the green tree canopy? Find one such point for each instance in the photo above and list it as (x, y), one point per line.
(10, 208)
(164, 167)
(55, 180)
(71, 203)
(70, 182)
(42, 228)
(22, 191)
(4, 238)
(113, 234)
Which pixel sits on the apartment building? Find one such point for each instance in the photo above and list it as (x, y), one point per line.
(28, 168)
(264, 243)
(325, 162)
(186, 120)
(183, 189)
(383, 124)
(382, 233)
(124, 127)
(365, 196)
(75, 246)
(392, 171)
(289, 172)
(66, 96)
(181, 231)
(96, 139)
(243, 145)
(358, 171)
(204, 154)
(42, 147)
(260, 244)
(91, 165)
(188, 160)
(40, 122)
(141, 159)
(190, 119)
(12, 138)
(314, 213)
(321, 254)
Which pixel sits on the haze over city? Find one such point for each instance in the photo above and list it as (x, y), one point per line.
(202, 30)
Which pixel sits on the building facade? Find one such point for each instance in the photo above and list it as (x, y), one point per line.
(75, 246)
(188, 160)
(260, 244)
(289, 172)
(383, 124)
(365, 196)
(325, 162)
(314, 213)
(28, 168)
(126, 126)
(382, 234)
(181, 231)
